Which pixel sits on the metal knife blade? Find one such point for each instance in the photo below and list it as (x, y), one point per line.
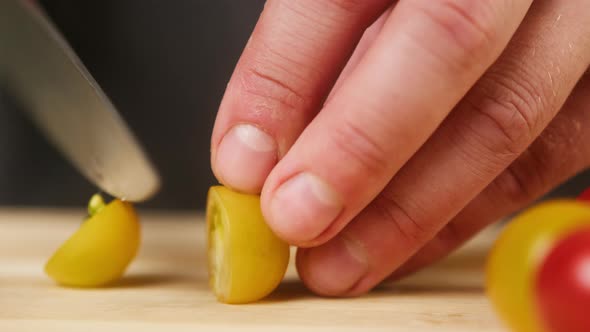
(40, 70)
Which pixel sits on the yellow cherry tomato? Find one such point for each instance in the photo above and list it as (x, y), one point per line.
(247, 261)
(516, 257)
(102, 248)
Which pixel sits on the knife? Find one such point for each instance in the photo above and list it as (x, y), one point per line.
(41, 71)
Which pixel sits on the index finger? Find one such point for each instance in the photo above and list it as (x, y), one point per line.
(295, 54)
(427, 56)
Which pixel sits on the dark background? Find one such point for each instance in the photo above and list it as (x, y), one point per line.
(165, 65)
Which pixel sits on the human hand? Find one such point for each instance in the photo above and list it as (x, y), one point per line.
(448, 115)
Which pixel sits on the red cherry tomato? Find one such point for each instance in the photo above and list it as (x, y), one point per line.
(585, 195)
(514, 262)
(563, 285)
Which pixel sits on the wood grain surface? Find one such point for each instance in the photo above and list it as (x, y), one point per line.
(166, 288)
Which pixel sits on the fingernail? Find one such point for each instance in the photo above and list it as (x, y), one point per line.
(334, 267)
(303, 207)
(245, 157)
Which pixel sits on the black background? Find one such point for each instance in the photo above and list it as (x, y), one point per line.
(165, 65)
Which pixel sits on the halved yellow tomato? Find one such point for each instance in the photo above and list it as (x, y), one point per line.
(516, 257)
(102, 248)
(247, 261)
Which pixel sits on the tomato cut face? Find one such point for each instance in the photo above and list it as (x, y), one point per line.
(563, 285)
(515, 258)
(247, 261)
(102, 248)
(219, 273)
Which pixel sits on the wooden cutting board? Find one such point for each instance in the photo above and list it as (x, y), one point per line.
(166, 288)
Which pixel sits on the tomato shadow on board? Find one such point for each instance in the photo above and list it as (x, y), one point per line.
(422, 288)
(463, 272)
(439, 280)
(147, 280)
(289, 290)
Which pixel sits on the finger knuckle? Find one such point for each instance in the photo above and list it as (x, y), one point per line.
(450, 236)
(510, 108)
(270, 89)
(519, 182)
(327, 14)
(556, 154)
(360, 147)
(469, 26)
(350, 6)
(391, 211)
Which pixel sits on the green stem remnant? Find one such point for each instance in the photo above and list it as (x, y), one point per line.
(95, 204)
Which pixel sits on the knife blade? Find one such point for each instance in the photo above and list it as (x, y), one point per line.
(42, 72)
